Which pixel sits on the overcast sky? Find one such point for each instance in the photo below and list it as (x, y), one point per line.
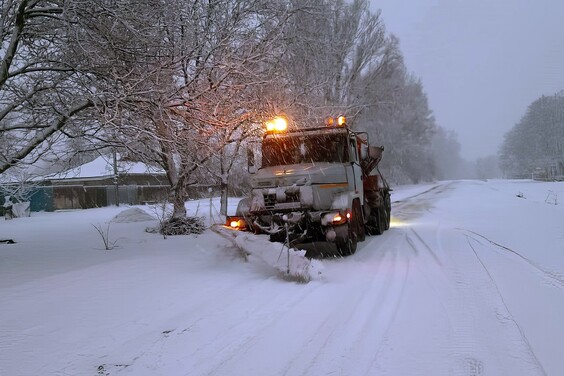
(482, 62)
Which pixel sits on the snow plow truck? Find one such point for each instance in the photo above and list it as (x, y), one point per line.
(317, 184)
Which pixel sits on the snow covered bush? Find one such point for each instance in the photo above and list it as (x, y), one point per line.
(180, 226)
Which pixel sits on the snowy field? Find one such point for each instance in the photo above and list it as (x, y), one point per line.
(468, 281)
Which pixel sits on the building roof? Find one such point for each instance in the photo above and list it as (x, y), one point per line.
(102, 167)
(99, 168)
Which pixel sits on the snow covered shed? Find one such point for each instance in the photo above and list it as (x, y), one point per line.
(94, 184)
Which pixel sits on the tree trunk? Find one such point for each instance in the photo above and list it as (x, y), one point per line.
(223, 183)
(223, 208)
(179, 210)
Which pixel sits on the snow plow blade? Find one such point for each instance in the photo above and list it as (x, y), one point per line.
(289, 263)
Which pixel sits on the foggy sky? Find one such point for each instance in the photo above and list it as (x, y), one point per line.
(482, 62)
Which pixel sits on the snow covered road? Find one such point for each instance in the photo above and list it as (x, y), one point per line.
(468, 281)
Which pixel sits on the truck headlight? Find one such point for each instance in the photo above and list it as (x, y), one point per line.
(236, 223)
(336, 218)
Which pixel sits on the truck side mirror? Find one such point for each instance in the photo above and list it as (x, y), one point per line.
(363, 152)
(251, 167)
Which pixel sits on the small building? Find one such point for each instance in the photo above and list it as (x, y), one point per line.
(553, 172)
(556, 171)
(94, 184)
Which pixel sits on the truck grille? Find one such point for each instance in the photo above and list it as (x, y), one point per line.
(270, 200)
(293, 197)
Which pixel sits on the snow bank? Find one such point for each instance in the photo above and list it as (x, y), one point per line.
(291, 263)
(133, 215)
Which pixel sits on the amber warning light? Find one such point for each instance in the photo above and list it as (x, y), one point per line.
(278, 124)
(340, 121)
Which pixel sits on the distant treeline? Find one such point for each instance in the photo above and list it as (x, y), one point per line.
(535, 145)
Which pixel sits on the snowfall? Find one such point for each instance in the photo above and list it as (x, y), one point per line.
(469, 280)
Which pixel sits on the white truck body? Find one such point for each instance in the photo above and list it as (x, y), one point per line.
(317, 184)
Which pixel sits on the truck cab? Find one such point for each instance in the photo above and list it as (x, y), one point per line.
(312, 186)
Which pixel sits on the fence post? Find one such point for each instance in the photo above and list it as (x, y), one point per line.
(116, 183)
(210, 190)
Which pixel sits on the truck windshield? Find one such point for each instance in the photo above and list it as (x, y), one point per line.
(296, 149)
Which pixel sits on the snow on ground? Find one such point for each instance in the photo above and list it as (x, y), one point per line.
(468, 281)
(290, 263)
(132, 215)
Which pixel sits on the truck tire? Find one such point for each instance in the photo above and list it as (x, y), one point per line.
(372, 224)
(383, 223)
(358, 213)
(388, 209)
(347, 247)
(380, 220)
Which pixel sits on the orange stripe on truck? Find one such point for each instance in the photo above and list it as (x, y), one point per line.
(333, 185)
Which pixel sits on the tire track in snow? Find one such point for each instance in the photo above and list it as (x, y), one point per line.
(414, 206)
(461, 306)
(230, 351)
(365, 324)
(438, 269)
(430, 190)
(324, 342)
(555, 279)
(240, 347)
(226, 343)
(510, 316)
(390, 316)
(203, 315)
(150, 349)
(427, 275)
(382, 309)
(425, 246)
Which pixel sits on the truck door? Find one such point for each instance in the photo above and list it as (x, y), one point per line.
(356, 169)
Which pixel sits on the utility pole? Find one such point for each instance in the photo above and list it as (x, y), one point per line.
(116, 183)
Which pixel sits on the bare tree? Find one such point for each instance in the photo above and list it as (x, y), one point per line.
(399, 117)
(182, 84)
(181, 81)
(40, 93)
(330, 47)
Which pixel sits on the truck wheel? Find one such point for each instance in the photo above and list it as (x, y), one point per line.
(346, 247)
(383, 223)
(358, 219)
(371, 225)
(388, 209)
(380, 215)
